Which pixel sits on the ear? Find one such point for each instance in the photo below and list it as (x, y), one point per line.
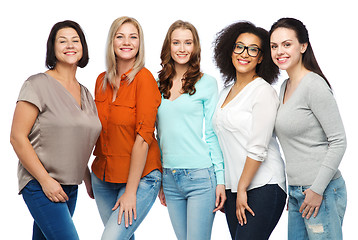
(304, 47)
(260, 59)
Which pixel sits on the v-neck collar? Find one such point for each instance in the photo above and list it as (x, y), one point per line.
(67, 92)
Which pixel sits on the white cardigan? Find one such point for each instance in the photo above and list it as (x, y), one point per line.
(244, 128)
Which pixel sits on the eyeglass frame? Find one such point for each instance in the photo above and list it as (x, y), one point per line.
(247, 49)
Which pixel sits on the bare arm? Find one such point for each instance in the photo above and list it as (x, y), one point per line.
(127, 202)
(250, 169)
(24, 118)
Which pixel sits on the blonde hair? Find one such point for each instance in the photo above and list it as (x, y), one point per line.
(111, 62)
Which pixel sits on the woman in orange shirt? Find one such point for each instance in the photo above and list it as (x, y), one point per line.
(126, 173)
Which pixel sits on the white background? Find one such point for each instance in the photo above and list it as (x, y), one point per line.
(25, 25)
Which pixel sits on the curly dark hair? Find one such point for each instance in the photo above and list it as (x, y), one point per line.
(223, 49)
(167, 73)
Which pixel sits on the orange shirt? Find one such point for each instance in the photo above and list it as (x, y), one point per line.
(133, 112)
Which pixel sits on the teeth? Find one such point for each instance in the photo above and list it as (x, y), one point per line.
(243, 61)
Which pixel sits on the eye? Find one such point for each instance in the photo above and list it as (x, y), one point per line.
(134, 37)
(239, 46)
(287, 45)
(253, 49)
(175, 42)
(273, 46)
(119, 36)
(189, 43)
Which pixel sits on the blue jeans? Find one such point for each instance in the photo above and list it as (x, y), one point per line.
(107, 194)
(328, 223)
(267, 202)
(51, 220)
(190, 197)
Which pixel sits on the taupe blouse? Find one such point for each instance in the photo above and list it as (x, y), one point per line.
(64, 132)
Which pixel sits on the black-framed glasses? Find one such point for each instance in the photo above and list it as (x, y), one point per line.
(253, 51)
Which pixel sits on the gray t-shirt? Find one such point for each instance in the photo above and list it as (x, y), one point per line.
(311, 134)
(64, 132)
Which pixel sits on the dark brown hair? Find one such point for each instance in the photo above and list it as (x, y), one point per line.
(167, 73)
(50, 54)
(308, 58)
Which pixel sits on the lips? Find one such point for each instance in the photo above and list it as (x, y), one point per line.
(70, 53)
(282, 60)
(126, 49)
(243, 61)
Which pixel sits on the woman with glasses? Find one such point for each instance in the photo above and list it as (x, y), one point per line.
(244, 121)
(312, 137)
(193, 171)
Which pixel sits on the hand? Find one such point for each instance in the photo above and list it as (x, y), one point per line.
(220, 197)
(53, 190)
(161, 197)
(89, 189)
(127, 205)
(311, 204)
(241, 206)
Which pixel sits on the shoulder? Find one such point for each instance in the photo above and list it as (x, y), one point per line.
(37, 78)
(264, 87)
(315, 85)
(144, 73)
(207, 81)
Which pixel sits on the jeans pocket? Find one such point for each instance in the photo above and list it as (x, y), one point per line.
(199, 174)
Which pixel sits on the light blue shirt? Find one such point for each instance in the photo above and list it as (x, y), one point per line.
(183, 139)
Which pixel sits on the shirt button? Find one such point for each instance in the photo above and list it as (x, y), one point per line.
(173, 171)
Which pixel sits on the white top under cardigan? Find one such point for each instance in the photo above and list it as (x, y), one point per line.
(244, 128)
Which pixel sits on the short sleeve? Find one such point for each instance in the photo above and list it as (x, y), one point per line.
(147, 103)
(28, 94)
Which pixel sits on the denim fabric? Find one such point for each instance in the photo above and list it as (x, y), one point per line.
(190, 197)
(51, 220)
(328, 223)
(267, 202)
(107, 194)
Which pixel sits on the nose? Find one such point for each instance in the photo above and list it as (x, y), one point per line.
(279, 50)
(70, 44)
(181, 48)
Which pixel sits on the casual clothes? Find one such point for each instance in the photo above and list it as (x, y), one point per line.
(64, 133)
(132, 112)
(311, 134)
(245, 129)
(313, 140)
(180, 130)
(192, 161)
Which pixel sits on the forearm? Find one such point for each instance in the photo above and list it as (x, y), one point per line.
(28, 158)
(249, 172)
(138, 160)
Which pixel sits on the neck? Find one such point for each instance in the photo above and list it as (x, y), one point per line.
(296, 73)
(244, 79)
(180, 70)
(124, 66)
(64, 72)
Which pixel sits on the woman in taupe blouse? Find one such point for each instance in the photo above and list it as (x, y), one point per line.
(54, 129)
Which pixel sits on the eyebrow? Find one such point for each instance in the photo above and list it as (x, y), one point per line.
(66, 37)
(288, 40)
(251, 45)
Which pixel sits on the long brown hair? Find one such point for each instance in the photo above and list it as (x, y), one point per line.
(192, 75)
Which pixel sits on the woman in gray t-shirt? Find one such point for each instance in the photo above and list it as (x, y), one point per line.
(55, 127)
(312, 137)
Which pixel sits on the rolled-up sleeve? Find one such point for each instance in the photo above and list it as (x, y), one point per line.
(263, 120)
(147, 103)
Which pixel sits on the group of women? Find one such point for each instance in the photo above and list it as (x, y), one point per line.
(211, 151)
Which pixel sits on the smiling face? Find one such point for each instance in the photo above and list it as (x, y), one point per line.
(68, 47)
(243, 62)
(126, 42)
(182, 45)
(286, 51)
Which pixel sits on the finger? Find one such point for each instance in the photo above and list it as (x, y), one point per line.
(239, 217)
(135, 213)
(120, 214)
(126, 218)
(316, 212)
(305, 211)
(310, 212)
(250, 210)
(63, 197)
(243, 215)
(217, 200)
(115, 206)
(303, 206)
(130, 217)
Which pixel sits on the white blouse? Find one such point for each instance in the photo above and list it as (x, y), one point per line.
(244, 127)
